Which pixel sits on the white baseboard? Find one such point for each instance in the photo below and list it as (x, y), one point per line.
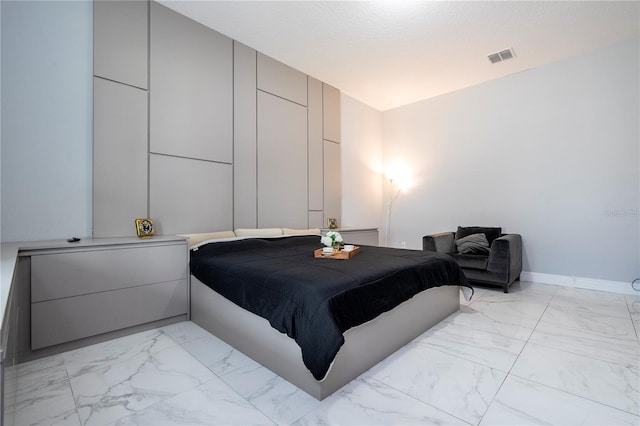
(536, 277)
(579, 282)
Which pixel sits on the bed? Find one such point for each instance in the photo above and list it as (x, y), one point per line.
(318, 323)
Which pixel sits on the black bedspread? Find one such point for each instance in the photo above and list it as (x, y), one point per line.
(315, 300)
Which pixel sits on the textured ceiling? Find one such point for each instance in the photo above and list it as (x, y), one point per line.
(391, 53)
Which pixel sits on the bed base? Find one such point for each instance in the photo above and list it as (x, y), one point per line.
(364, 347)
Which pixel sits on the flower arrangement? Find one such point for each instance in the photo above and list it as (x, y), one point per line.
(332, 239)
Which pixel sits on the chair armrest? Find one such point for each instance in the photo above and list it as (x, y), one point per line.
(506, 255)
(441, 243)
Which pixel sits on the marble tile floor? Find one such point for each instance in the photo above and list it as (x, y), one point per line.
(539, 355)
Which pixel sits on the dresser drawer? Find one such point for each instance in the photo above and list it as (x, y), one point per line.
(357, 236)
(365, 238)
(60, 275)
(64, 320)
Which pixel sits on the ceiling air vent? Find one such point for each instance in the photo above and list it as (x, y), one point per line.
(502, 55)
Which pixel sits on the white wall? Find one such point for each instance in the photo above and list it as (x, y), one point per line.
(0, 123)
(361, 151)
(550, 153)
(47, 50)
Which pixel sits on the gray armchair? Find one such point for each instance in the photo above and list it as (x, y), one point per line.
(500, 266)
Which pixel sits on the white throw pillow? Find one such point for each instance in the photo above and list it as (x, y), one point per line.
(195, 239)
(259, 232)
(311, 231)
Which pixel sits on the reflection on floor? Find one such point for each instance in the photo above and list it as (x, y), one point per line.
(539, 355)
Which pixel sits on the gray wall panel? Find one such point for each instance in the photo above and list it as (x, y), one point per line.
(191, 88)
(245, 211)
(332, 181)
(331, 113)
(120, 40)
(119, 158)
(188, 196)
(316, 219)
(315, 145)
(281, 80)
(282, 163)
(231, 140)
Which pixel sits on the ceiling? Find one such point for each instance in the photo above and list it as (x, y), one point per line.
(391, 53)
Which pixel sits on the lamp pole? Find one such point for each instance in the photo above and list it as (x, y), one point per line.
(388, 224)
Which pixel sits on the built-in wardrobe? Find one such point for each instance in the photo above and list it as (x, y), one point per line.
(202, 133)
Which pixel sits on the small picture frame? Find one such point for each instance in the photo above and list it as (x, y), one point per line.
(144, 228)
(332, 223)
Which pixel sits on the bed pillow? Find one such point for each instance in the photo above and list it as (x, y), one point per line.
(259, 232)
(490, 233)
(311, 231)
(473, 244)
(195, 239)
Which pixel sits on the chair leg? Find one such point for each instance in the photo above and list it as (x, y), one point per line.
(505, 288)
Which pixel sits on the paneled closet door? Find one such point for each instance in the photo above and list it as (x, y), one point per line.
(120, 41)
(316, 174)
(188, 196)
(245, 209)
(119, 158)
(191, 88)
(282, 163)
(281, 80)
(332, 182)
(331, 113)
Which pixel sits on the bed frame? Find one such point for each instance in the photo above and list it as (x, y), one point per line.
(364, 347)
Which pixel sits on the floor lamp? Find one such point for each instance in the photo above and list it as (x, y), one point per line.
(388, 224)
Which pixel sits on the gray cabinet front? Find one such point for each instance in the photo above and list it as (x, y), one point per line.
(367, 237)
(332, 181)
(244, 137)
(119, 158)
(191, 88)
(224, 137)
(281, 80)
(358, 236)
(331, 113)
(60, 275)
(315, 145)
(120, 41)
(72, 318)
(282, 163)
(188, 196)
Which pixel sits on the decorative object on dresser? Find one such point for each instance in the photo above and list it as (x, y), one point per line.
(332, 223)
(486, 255)
(144, 228)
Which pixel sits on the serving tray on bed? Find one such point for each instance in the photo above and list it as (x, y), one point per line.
(339, 255)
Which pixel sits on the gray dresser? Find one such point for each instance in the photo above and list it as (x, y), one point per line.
(358, 236)
(99, 286)
(59, 296)
(94, 289)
